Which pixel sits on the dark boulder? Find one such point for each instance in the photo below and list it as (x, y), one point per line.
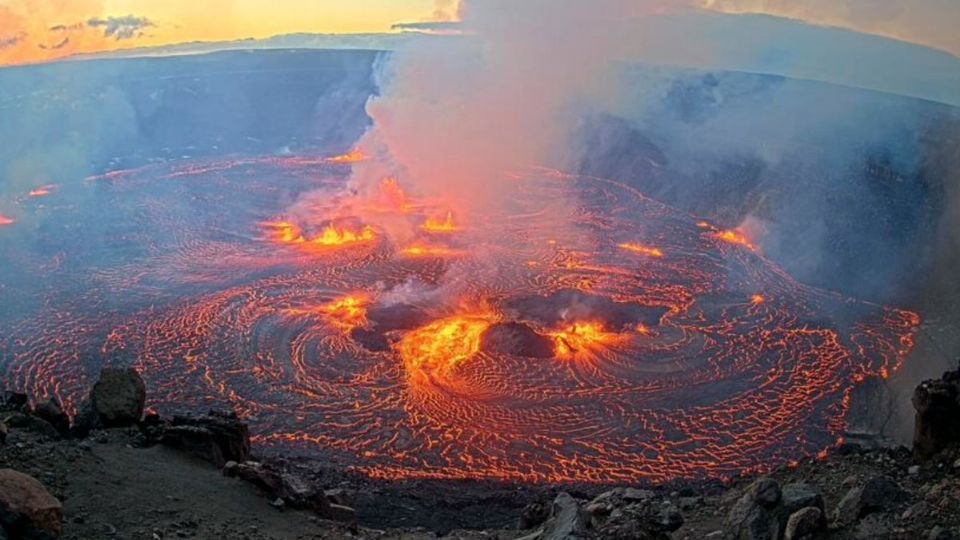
(27, 509)
(804, 524)
(217, 437)
(51, 411)
(13, 400)
(937, 404)
(118, 397)
(756, 515)
(879, 494)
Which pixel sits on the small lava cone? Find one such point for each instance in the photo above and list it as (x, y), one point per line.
(516, 339)
(571, 304)
(386, 319)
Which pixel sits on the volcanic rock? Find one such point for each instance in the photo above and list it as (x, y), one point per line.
(14, 400)
(85, 421)
(51, 412)
(880, 493)
(33, 424)
(118, 397)
(754, 516)
(937, 403)
(27, 509)
(571, 304)
(516, 339)
(341, 513)
(533, 515)
(217, 437)
(795, 497)
(566, 520)
(804, 524)
(3, 432)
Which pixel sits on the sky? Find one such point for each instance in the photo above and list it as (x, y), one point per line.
(41, 30)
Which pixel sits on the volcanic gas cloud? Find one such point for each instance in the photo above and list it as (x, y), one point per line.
(437, 304)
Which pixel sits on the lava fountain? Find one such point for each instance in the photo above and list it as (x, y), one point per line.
(642, 346)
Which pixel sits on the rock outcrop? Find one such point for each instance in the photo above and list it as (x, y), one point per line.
(217, 437)
(118, 397)
(767, 511)
(937, 403)
(27, 509)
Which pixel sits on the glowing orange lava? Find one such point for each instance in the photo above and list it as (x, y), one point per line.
(284, 232)
(4, 220)
(347, 312)
(334, 237)
(424, 250)
(641, 249)
(580, 338)
(737, 238)
(354, 156)
(445, 344)
(445, 225)
(581, 365)
(287, 233)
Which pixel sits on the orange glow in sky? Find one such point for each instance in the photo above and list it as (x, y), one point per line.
(40, 30)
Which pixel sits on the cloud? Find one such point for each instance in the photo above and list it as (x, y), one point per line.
(12, 41)
(428, 26)
(119, 28)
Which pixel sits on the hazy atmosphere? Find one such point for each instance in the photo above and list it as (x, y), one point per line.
(514, 269)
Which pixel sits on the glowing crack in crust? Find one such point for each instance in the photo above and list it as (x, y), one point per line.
(614, 365)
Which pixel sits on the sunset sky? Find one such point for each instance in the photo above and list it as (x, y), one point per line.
(39, 30)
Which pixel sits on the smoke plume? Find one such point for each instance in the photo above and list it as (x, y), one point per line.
(452, 119)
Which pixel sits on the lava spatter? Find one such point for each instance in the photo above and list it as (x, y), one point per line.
(632, 343)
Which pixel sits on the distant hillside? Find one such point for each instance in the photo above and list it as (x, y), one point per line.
(710, 41)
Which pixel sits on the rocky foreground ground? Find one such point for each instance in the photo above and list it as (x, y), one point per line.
(114, 472)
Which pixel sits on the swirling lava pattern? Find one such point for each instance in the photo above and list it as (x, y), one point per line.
(718, 362)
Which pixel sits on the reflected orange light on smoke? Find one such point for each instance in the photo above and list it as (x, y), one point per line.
(642, 250)
(444, 344)
(42, 191)
(581, 337)
(393, 198)
(737, 238)
(354, 156)
(441, 226)
(284, 232)
(4, 220)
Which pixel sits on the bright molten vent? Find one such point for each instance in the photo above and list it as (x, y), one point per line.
(616, 340)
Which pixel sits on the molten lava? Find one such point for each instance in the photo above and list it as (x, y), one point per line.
(641, 249)
(445, 225)
(445, 344)
(4, 220)
(581, 338)
(336, 237)
(354, 156)
(284, 232)
(424, 250)
(348, 312)
(583, 365)
(736, 238)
